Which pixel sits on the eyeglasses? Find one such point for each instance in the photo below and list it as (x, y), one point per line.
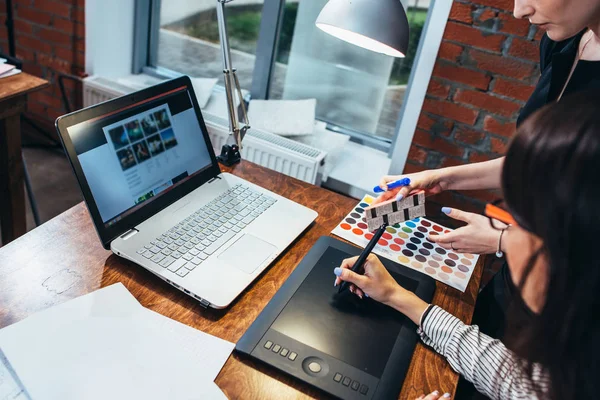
(500, 219)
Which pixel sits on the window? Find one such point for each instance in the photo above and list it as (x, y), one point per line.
(279, 53)
(188, 38)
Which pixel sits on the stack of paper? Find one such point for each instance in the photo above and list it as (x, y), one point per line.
(283, 117)
(7, 69)
(106, 345)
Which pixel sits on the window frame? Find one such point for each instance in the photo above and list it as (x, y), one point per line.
(145, 54)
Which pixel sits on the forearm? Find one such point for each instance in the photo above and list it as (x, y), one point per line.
(482, 175)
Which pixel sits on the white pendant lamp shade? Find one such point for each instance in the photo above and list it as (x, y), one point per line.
(377, 25)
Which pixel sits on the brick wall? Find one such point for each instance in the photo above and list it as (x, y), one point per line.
(49, 38)
(486, 69)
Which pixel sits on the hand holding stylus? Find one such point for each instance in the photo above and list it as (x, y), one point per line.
(362, 258)
(378, 284)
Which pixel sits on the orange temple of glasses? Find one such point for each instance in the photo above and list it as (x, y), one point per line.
(501, 215)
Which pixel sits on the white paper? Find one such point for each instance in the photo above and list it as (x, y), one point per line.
(210, 391)
(209, 351)
(106, 345)
(12, 72)
(11, 387)
(203, 87)
(283, 117)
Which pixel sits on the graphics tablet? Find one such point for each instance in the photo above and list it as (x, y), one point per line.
(348, 347)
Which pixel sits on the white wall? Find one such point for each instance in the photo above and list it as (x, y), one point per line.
(109, 28)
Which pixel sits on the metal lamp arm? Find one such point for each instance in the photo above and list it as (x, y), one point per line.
(232, 84)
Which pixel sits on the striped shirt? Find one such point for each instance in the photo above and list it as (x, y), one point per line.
(493, 369)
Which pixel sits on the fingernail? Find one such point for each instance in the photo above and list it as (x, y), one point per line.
(359, 295)
(446, 210)
(399, 197)
(436, 392)
(447, 395)
(337, 271)
(335, 282)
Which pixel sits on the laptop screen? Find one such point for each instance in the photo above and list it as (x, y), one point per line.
(132, 156)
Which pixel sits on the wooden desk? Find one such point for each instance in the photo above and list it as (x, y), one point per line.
(63, 259)
(13, 98)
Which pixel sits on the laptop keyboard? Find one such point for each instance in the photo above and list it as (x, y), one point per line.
(188, 243)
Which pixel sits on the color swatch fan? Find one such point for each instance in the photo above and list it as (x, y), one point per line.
(407, 243)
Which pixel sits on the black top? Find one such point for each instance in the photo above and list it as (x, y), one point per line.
(556, 61)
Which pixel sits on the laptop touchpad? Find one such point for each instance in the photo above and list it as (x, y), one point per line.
(248, 253)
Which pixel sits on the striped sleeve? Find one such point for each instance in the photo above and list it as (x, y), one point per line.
(493, 369)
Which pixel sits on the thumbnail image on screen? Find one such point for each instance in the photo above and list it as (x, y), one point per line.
(134, 131)
(126, 158)
(118, 137)
(162, 119)
(168, 138)
(143, 138)
(140, 149)
(156, 145)
(149, 125)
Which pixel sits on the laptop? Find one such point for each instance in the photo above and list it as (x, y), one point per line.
(157, 197)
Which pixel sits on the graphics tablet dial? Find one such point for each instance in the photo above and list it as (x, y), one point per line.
(315, 366)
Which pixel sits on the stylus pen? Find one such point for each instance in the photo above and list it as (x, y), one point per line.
(359, 264)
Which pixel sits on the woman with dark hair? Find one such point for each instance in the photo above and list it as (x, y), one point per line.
(552, 197)
(569, 63)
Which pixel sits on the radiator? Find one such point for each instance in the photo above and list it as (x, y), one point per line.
(264, 148)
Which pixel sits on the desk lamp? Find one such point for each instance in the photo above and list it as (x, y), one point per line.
(230, 154)
(377, 25)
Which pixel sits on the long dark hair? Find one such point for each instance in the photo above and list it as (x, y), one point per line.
(551, 185)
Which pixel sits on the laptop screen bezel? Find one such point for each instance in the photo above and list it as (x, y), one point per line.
(110, 233)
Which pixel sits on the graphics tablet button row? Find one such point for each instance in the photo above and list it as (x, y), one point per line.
(354, 385)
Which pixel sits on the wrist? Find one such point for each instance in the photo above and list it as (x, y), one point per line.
(408, 304)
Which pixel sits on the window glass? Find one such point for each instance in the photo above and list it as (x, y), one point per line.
(355, 88)
(189, 37)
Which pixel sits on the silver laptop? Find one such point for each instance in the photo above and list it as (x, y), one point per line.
(157, 197)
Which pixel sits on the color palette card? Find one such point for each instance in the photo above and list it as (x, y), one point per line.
(407, 243)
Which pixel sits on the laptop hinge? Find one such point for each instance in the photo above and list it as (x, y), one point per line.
(215, 178)
(130, 233)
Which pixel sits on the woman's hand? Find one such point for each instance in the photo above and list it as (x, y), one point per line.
(433, 396)
(477, 237)
(432, 182)
(377, 283)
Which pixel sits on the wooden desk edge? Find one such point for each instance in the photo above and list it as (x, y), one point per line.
(36, 84)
